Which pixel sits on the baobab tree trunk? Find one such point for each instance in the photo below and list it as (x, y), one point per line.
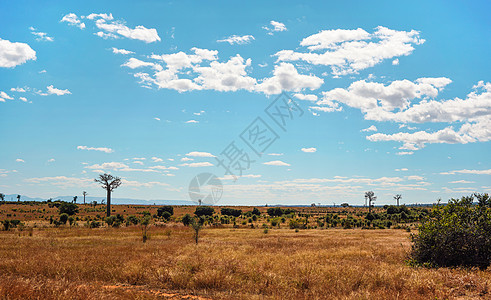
(108, 205)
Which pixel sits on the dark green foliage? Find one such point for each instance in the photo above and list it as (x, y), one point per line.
(132, 220)
(63, 218)
(392, 209)
(6, 225)
(68, 208)
(231, 212)
(457, 234)
(167, 208)
(166, 215)
(204, 211)
(186, 219)
(256, 211)
(278, 211)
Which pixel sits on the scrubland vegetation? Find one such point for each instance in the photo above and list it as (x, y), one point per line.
(62, 250)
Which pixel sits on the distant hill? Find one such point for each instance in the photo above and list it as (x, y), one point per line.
(88, 199)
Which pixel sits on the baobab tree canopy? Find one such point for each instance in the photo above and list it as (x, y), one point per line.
(108, 182)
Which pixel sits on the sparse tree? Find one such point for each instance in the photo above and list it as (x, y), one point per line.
(75, 199)
(370, 196)
(2, 196)
(85, 194)
(397, 198)
(109, 183)
(196, 225)
(18, 198)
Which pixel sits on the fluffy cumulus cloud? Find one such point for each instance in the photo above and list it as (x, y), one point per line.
(465, 171)
(199, 154)
(274, 26)
(201, 70)
(371, 128)
(111, 28)
(286, 78)
(54, 91)
(14, 53)
(237, 39)
(405, 101)
(73, 20)
(349, 51)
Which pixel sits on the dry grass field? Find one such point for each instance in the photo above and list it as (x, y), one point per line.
(228, 263)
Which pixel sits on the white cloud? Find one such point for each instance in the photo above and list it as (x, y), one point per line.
(371, 128)
(197, 164)
(107, 17)
(275, 27)
(19, 160)
(134, 63)
(118, 28)
(308, 97)
(462, 181)
(199, 154)
(349, 51)
(18, 90)
(186, 159)
(164, 168)
(157, 119)
(102, 149)
(41, 36)
(405, 153)
(117, 166)
(14, 54)
(62, 181)
(395, 62)
(465, 171)
(5, 96)
(23, 99)
(275, 154)
(192, 121)
(276, 163)
(54, 91)
(156, 159)
(286, 78)
(121, 51)
(309, 150)
(51, 160)
(402, 169)
(72, 19)
(236, 39)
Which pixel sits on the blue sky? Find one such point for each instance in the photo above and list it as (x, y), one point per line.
(396, 98)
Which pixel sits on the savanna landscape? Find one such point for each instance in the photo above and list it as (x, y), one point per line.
(153, 252)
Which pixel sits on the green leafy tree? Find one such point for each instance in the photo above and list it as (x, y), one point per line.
(63, 218)
(2, 197)
(456, 234)
(166, 208)
(186, 219)
(109, 183)
(231, 212)
(18, 198)
(196, 225)
(204, 211)
(256, 211)
(68, 208)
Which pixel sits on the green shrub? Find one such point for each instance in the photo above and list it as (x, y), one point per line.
(457, 234)
(231, 212)
(68, 208)
(166, 208)
(186, 219)
(63, 218)
(204, 211)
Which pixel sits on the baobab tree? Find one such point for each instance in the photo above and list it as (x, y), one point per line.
(85, 194)
(75, 199)
(18, 198)
(397, 198)
(370, 196)
(109, 183)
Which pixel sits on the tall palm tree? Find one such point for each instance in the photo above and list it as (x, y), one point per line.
(85, 194)
(109, 183)
(397, 198)
(370, 196)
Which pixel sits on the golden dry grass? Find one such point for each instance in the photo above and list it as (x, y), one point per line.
(113, 263)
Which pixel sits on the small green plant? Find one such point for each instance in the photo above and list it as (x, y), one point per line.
(145, 222)
(196, 224)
